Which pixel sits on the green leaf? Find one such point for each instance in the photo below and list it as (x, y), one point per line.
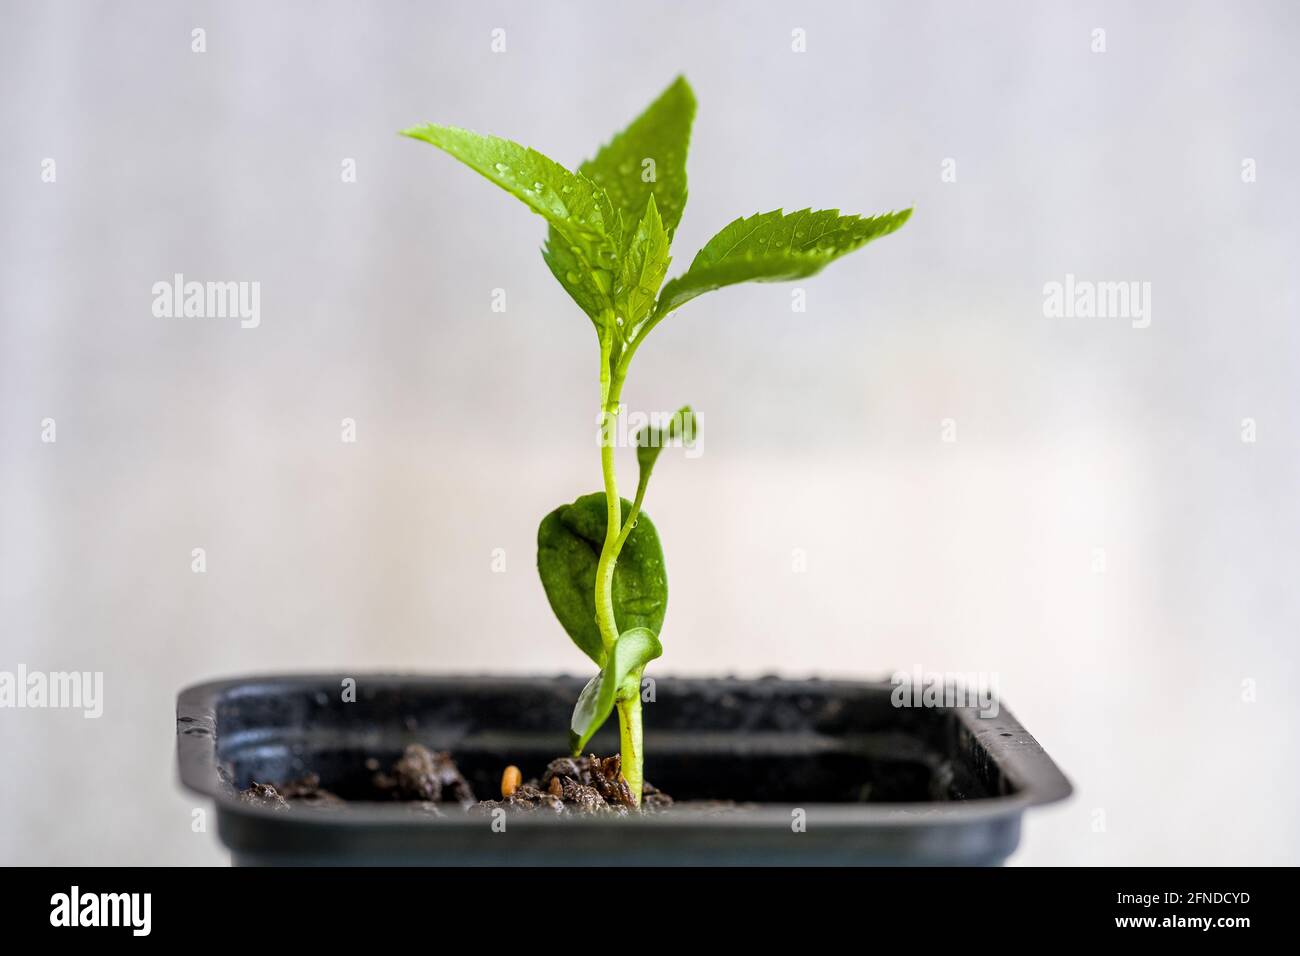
(650, 441)
(569, 541)
(773, 247)
(661, 134)
(586, 229)
(644, 266)
(634, 648)
(591, 291)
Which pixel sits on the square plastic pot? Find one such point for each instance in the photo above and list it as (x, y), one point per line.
(827, 772)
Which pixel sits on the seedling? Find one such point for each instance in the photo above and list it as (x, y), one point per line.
(610, 225)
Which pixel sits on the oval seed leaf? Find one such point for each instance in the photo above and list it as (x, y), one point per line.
(569, 541)
(634, 649)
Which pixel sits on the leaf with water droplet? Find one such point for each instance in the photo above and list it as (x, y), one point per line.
(774, 247)
(580, 213)
(660, 134)
(644, 266)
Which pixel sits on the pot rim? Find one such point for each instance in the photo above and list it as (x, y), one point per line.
(1036, 777)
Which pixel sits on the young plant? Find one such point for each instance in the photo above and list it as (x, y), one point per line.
(610, 226)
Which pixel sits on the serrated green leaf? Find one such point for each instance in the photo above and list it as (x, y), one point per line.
(592, 295)
(661, 134)
(643, 269)
(586, 230)
(634, 648)
(569, 541)
(651, 440)
(773, 247)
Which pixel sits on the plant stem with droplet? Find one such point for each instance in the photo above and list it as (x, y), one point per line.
(616, 533)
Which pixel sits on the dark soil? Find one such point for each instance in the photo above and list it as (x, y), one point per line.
(428, 781)
(305, 791)
(420, 774)
(580, 785)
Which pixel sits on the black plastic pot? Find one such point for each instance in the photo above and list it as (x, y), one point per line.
(876, 784)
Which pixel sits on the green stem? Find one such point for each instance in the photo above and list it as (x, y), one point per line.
(630, 522)
(613, 524)
(616, 532)
(629, 735)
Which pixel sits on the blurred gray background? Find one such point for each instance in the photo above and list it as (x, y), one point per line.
(1099, 535)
